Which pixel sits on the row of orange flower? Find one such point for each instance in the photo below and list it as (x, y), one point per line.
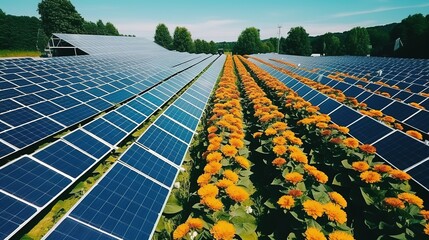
(349, 101)
(391, 184)
(218, 189)
(299, 178)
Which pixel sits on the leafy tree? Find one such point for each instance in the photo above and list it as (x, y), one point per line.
(60, 16)
(198, 46)
(90, 28)
(297, 42)
(101, 28)
(413, 32)
(332, 44)
(111, 29)
(213, 47)
(163, 37)
(249, 42)
(317, 44)
(182, 40)
(357, 42)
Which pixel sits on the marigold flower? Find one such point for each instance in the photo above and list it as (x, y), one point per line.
(338, 199)
(279, 141)
(181, 231)
(195, 223)
(238, 143)
(281, 126)
(204, 179)
(335, 213)
(286, 201)
(236, 193)
(279, 150)
(294, 177)
(411, 198)
(383, 168)
(270, 131)
(215, 139)
(295, 193)
(322, 125)
(367, 148)
(370, 177)
(399, 126)
(313, 208)
(401, 175)
(360, 166)
(296, 141)
(426, 230)
(257, 134)
(212, 167)
(299, 157)
(425, 214)
(230, 175)
(223, 230)
(326, 132)
(388, 119)
(212, 129)
(313, 233)
(208, 190)
(343, 130)
(213, 203)
(414, 134)
(213, 147)
(340, 235)
(224, 183)
(394, 202)
(243, 162)
(351, 142)
(229, 150)
(309, 168)
(320, 176)
(278, 162)
(214, 157)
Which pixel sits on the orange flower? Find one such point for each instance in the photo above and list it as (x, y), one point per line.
(322, 125)
(382, 168)
(335, 213)
(213, 203)
(243, 162)
(426, 230)
(299, 157)
(367, 148)
(360, 166)
(223, 230)
(224, 183)
(336, 140)
(394, 202)
(212, 129)
(388, 119)
(257, 134)
(313, 233)
(370, 177)
(338, 199)
(203, 179)
(340, 235)
(401, 175)
(279, 150)
(208, 190)
(286, 201)
(195, 223)
(236, 142)
(295, 192)
(411, 198)
(230, 175)
(214, 157)
(294, 177)
(181, 231)
(343, 130)
(425, 214)
(414, 134)
(213, 147)
(270, 131)
(399, 126)
(320, 176)
(212, 167)
(236, 193)
(313, 208)
(281, 126)
(229, 150)
(279, 141)
(351, 142)
(278, 161)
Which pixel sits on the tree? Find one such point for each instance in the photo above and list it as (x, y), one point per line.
(357, 42)
(182, 40)
(60, 16)
(101, 28)
(111, 29)
(413, 32)
(213, 47)
(198, 46)
(249, 42)
(163, 37)
(332, 44)
(297, 42)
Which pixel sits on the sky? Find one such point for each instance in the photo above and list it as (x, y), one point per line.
(223, 20)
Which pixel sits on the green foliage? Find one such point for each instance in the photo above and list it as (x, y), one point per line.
(111, 29)
(297, 42)
(182, 40)
(249, 42)
(357, 42)
(162, 36)
(332, 45)
(60, 16)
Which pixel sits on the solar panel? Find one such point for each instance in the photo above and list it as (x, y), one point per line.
(132, 114)
(344, 116)
(8, 104)
(70, 229)
(420, 121)
(74, 115)
(105, 131)
(19, 116)
(328, 106)
(120, 121)
(367, 130)
(399, 110)
(87, 143)
(181, 116)
(420, 174)
(174, 128)
(46, 108)
(144, 109)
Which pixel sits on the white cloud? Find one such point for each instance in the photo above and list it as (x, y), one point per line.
(377, 10)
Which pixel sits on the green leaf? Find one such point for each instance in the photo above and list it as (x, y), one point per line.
(261, 150)
(409, 232)
(322, 197)
(243, 152)
(296, 216)
(312, 223)
(161, 224)
(79, 187)
(370, 224)
(246, 173)
(277, 181)
(339, 179)
(251, 236)
(291, 236)
(346, 164)
(244, 223)
(173, 206)
(383, 225)
(401, 236)
(366, 196)
(269, 204)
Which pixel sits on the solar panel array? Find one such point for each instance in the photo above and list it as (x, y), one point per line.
(127, 202)
(393, 146)
(128, 89)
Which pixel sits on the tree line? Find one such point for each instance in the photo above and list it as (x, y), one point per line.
(31, 33)
(182, 41)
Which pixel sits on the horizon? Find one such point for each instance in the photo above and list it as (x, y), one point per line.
(226, 20)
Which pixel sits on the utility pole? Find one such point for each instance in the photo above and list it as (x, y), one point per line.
(278, 41)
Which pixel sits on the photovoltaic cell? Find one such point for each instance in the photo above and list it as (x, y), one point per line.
(157, 140)
(174, 128)
(316, 100)
(420, 121)
(368, 130)
(328, 106)
(46, 108)
(131, 114)
(87, 143)
(120, 121)
(142, 108)
(5, 150)
(19, 116)
(182, 117)
(190, 108)
(13, 213)
(72, 230)
(420, 173)
(31, 181)
(74, 115)
(66, 101)
(99, 104)
(65, 158)
(7, 105)
(118, 96)
(343, 116)
(377, 102)
(152, 99)
(399, 110)
(147, 163)
(124, 203)
(105, 131)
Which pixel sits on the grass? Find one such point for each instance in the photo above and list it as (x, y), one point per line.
(19, 53)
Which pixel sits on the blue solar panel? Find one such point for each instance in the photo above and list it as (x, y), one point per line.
(28, 134)
(87, 143)
(353, 91)
(31, 181)
(156, 139)
(69, 229)
(399, 110)
(363, 96)
(13, 213)
(5, 150)
(402, 95)
(182, 117)
(29, 99)
(124, 203)
(7, 105)
(152, 99)
(65, 158)
(120, 121)
(96, 92)
(65, 90)
(118, 96)
(46, 108)
(420, 121)
(368, 130)
(343, 116)
(82, 96)
(316, 100)
(132, 114)
(108, 88)
(401, 150)
(160, 95)
(99, 104)
(190, 108)
(174, 128)
(420, 173)
(105, 131)
(147, 163)
(48, 94)
(74, 115)
(145, 109)
(196, 101)
(66, 101)
(19, 116)
(378, 102)
(328, 106)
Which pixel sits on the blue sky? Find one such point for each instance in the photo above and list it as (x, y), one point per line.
(223, 20)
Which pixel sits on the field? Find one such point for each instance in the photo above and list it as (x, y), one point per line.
(15, 53)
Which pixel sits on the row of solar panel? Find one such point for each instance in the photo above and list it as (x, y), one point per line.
(414, 117)
(24, 126)
(126, 203)
(38, 179)
(395, 147)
